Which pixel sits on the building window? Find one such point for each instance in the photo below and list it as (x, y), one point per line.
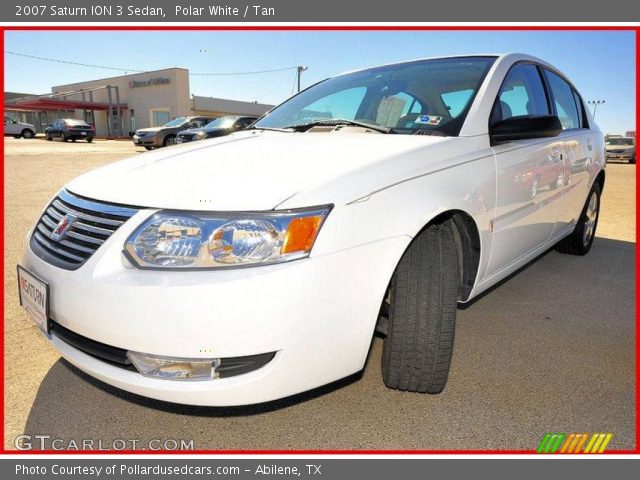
(159, 117)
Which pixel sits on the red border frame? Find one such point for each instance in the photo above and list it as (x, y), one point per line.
(3, 29)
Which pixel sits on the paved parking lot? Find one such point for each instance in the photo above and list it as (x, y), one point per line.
(552, 349)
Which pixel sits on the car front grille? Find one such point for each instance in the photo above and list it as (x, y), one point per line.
(90, 224)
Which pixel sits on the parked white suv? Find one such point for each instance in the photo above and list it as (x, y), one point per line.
(17, 129)
(255, 266)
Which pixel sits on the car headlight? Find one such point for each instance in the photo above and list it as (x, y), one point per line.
(175, 240)
(200, 135)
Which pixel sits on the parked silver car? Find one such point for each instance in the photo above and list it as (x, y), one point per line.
(621, 148)
(156, 137)
(17, 129)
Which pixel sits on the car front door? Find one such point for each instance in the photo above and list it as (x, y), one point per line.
(527, 194)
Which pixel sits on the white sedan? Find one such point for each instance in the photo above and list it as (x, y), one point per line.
(248, 268)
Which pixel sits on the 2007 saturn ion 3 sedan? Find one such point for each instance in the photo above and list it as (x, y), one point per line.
(252, 267)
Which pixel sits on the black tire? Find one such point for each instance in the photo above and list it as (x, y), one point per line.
(581, 239)
(149, 148)
(423, 300)
(73, 140)
(89, 140)
(26, 133)
(63, 137)
(49, 138)
(169, 140)
(633, 160)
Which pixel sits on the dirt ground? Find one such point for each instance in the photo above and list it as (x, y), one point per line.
(552, 349)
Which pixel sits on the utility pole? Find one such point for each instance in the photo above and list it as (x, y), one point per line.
(301, 68)
(595, 104)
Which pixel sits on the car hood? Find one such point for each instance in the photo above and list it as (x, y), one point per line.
(619, 147)
(258, 170)
(150, 129)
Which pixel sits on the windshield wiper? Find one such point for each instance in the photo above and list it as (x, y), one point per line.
(271, 129)
(340, 121)
(434, 133)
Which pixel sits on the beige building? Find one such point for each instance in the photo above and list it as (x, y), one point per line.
(147, 99)
(118, 106)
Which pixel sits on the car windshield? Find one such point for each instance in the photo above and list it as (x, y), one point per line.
(176, 122)
(429, 96)
(222, 122)
(620, 141)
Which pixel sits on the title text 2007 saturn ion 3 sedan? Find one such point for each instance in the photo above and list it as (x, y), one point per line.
(255, 266)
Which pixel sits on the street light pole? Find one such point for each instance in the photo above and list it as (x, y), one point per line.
(301, 68)
(595, 104)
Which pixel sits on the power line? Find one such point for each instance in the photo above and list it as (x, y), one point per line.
(244, 73)
(211, 74)
(72, 63)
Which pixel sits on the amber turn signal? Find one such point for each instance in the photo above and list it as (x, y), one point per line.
(301, 233)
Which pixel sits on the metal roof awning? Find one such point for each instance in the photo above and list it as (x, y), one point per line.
(48, 103)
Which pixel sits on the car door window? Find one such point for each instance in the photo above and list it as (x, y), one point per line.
(564, 101)
(522, 93)
(581, 112)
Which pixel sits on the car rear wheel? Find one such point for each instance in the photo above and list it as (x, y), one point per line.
(580, 241)
(63, 137)
(49, 138)
(633, 159)
(89, 140)
(422, 311)
(169, 140)
(149, 148)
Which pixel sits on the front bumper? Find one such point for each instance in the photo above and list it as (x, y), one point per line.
(317, 314)
(146, 141)
(626, 156)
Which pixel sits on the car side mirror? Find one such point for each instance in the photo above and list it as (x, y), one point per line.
(524, 127)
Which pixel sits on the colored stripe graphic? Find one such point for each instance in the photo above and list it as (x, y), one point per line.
(551, 442)
(554, 442)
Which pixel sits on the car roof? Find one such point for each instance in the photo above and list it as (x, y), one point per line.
(500, 57)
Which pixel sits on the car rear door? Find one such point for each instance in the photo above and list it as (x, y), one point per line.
(578, 148)
(527, 203)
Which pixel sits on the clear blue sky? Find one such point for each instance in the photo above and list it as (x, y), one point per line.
(601, 64)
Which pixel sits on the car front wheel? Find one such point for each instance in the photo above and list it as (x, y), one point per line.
(169, 140)
(26, 133)
(422, 311)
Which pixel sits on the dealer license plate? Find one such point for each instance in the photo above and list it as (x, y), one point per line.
(34, 297)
